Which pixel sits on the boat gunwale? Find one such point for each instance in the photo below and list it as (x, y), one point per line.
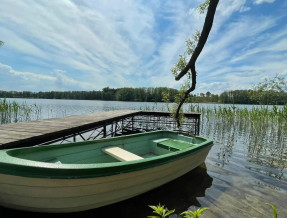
(35, 169)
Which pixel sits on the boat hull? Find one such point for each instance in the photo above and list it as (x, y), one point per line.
(78, 194)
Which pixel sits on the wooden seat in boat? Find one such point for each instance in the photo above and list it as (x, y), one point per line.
(121, 154)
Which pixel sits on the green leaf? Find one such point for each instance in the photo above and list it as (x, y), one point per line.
(153, 207)
(169, 212)
(194, 214)
(188, 214)
(274, 210)
(203, 7)
(202, 209)
(161, 211)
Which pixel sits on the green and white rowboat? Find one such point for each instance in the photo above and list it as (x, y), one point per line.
(86, 175)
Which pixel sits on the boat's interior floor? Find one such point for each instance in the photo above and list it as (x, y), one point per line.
(124, 150)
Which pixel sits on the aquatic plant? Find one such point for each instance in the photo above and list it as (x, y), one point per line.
(194, 214)
(13, 112)
(275, 215)
(261, 130)
(161, 211)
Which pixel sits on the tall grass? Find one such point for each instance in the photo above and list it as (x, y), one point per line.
(13, 112)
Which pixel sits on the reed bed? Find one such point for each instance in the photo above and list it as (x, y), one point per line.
(13, 112)
(259, 133)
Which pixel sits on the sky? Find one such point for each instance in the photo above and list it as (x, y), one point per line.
(52, 45)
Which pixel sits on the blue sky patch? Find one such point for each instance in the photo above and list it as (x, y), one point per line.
(88, 45)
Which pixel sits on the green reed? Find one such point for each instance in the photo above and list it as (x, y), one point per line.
(256, 115)
(260, 132)
(13, 112)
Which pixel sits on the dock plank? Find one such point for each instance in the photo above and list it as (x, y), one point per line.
(6, 141)
(12, 134)
(32, 132)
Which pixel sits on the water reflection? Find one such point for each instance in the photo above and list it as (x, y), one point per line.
(178, 194)
(259, 144)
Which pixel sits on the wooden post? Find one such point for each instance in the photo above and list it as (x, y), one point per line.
(105, 131)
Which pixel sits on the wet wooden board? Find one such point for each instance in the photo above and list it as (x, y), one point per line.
(21, 134)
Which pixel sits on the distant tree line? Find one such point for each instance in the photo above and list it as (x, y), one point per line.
(207, 97)
(107, 94)
(160, 94)
(272, 91)
(237, 97)
(267, 97)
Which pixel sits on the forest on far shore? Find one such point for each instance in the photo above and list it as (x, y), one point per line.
(157, 95)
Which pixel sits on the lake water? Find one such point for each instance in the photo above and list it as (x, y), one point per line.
(245, 169)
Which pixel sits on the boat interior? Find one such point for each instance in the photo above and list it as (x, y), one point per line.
(123, 148)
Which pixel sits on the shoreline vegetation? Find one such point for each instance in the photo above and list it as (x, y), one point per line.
(12, 112)
(159, 94)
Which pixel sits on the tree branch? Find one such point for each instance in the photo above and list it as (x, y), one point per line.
(202, 39)
(191, 64)
(187, 92)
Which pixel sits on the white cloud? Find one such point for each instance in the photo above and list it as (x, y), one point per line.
(23, 46)
(257, 2)
(228, 7)
(134, 43)
(5, 69)
(34, 81)
(213, 87)
(64, 82)
(100, 40)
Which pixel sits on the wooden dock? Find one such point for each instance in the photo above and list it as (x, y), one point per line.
(101, 124)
